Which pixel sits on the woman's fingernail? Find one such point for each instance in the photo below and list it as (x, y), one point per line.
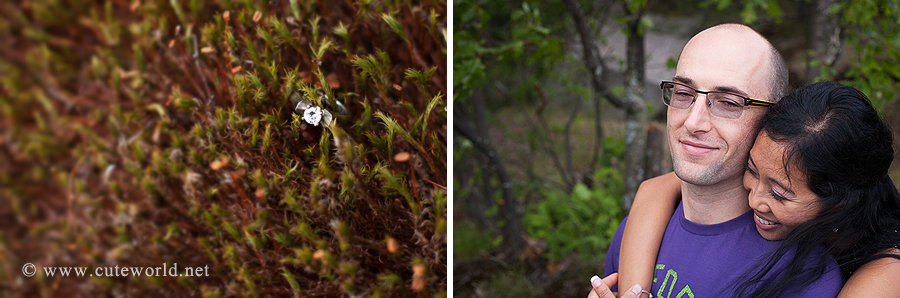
(636, 289)
(595, 281)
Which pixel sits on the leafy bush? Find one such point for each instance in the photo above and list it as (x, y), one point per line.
(583, 221)
(137, 133)
(470, 241)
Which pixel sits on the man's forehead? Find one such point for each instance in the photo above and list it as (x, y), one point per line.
(725, 63)
(721, 86)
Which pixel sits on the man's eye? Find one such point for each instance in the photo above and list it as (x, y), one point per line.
(730, 104)
(727, 100)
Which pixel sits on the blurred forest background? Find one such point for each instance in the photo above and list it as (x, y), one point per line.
(558, 117)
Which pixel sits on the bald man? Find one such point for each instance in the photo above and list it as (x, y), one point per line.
(724, 79)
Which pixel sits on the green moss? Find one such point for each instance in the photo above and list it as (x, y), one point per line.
(139, 143)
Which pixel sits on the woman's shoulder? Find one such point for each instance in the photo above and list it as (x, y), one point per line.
(882, 265)
(877, 278)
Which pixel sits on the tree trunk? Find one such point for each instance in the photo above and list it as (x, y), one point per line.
(636, 115)
(472, 205)
(635, 112)
(825, 43)
(486, 198)
(656, 139)
(592, 61)
(512, 229)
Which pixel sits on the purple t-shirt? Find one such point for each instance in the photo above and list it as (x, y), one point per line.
(708, 260)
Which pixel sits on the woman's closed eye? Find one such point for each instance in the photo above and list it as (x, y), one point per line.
(776, 195)
(751, 171)
(772, 192)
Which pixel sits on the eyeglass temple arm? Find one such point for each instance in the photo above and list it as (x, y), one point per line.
(758, 102)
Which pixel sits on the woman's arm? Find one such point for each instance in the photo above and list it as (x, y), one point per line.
(874, 279)
(653, 206)
(601, 288)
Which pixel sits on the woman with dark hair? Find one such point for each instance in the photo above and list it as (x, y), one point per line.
(818, 176)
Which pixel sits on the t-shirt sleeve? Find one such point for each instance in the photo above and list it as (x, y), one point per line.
(612, 255)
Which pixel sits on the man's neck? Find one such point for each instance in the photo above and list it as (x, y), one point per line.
(714, 204)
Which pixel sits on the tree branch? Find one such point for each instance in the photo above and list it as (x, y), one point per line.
(545, 128)
(595, 65)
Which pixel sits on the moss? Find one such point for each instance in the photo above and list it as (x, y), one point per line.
(135, 133)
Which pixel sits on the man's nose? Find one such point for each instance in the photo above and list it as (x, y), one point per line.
(699, 119)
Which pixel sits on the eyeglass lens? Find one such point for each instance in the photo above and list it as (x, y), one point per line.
(720, 104)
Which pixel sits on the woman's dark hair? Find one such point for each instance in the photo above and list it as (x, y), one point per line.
(832, 133)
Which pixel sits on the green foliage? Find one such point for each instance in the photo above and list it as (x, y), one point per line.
(470, 241)
(511, 284)
(583, 221)
(751, 10)
(471, 52)
(874, 39)
(871, 31)
(139, 143)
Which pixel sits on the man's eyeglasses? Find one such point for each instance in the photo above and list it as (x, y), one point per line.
(721, 103)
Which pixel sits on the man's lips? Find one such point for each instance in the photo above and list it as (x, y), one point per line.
(694, 148)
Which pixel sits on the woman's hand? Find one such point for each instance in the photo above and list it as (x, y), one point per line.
(601, 288)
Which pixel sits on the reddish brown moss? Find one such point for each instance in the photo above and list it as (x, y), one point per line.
(140, 133)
